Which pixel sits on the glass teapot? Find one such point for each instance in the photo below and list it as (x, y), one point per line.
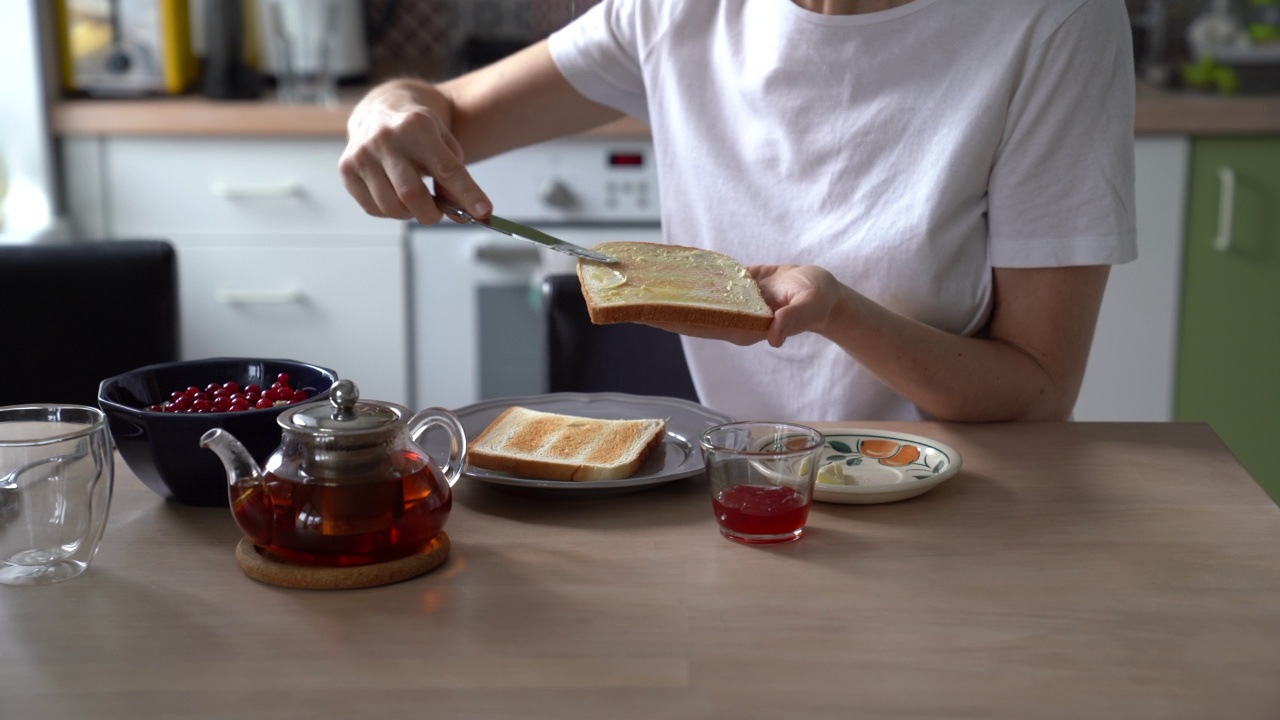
(348, 484)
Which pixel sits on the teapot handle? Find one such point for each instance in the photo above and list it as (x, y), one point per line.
(441, 417)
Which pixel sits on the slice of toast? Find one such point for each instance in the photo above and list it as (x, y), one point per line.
(657, 283)
(551, 446)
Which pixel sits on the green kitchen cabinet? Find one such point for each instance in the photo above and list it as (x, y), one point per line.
(1229, 342)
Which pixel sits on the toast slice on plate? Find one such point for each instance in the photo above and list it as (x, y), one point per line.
(551, 446)
(657, 283)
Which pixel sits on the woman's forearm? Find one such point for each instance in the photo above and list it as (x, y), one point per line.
(1028, 367)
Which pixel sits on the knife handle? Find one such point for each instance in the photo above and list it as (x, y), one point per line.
(452, 210)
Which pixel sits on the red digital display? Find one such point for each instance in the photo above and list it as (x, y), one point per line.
(626, 159)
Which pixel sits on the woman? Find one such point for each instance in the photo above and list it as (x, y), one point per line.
(930, 194)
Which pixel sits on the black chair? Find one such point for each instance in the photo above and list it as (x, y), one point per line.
(72, 315)
(625, 357)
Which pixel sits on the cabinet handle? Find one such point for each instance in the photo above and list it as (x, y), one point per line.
(1226, 208)
(289, 188)
(259, 297)
(500, 252)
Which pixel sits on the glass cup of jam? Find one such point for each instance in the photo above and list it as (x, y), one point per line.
(762, 476)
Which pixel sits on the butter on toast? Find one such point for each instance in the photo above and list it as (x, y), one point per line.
(551, 446)
(657, 283)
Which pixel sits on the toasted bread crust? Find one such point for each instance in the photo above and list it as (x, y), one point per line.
(674, 284)
(678, 314)
(552, 446)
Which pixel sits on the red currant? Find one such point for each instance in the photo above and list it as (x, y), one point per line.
(231, 397)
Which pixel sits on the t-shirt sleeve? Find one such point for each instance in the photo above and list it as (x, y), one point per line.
(1061, 190)
(599, 54)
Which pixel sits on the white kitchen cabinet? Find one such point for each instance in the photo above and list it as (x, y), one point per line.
(231, 187)
(274, 258)
(1131, 373)
(335, 302)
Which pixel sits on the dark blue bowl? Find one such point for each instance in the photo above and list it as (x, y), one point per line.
(163, 449)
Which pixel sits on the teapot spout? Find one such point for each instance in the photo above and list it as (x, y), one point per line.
(242, 469)
(247, 488)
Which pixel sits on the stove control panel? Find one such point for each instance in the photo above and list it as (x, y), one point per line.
(558, 194)
(586, 180)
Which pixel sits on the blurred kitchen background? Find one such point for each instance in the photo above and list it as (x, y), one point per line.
(216, 125)
(225, 49)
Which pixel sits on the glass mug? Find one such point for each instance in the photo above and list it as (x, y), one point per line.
(56, 474)
(762, 476)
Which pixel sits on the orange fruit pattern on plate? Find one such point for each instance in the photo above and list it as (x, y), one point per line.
(873, 448)
(905, 456)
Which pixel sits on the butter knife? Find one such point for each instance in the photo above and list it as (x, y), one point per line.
(524, 232)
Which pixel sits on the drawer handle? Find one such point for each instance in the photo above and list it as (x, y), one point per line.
(1226, 208)
(259, 297)
(290, 188)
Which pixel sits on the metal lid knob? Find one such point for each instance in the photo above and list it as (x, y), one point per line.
(343, 395)
(344, 414)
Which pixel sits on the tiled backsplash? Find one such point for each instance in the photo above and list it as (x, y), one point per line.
(434, 39)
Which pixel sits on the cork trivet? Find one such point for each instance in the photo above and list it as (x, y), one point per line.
(264, 568)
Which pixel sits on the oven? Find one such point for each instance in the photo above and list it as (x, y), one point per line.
(476, 322)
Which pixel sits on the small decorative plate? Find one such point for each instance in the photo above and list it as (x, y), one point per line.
(863, 466)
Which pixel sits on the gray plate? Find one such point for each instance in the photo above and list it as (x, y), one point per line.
(678, 457)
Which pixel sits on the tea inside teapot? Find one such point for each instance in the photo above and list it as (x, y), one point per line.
(348, 484)
(320, 521)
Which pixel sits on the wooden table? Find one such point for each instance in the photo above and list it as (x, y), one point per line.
(1071, 570)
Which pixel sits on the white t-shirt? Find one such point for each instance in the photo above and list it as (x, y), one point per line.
(907, 151)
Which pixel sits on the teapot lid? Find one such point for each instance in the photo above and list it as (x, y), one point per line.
(343, 414)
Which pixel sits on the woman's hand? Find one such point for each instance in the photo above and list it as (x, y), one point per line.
(405, 130)
(399, 133)
(803, 298)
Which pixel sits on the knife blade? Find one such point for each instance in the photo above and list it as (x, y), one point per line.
(524, 232)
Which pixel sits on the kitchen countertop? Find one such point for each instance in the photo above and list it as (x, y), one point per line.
(1163, 112)
(200, 116)
(1070, 570)
(1158, 112)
